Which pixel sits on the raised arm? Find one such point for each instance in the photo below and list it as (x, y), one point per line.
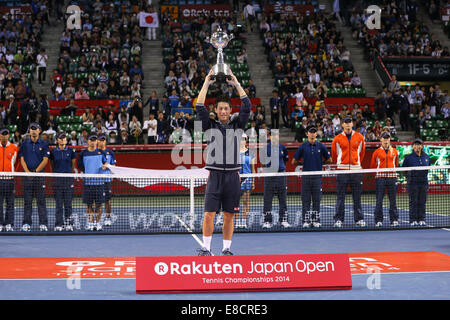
(244, 111)
(202, 113)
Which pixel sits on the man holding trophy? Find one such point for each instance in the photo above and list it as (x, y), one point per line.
(223, 189)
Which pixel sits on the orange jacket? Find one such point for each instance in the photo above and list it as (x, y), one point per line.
(8, 156)
(348, 156)
(382, 159)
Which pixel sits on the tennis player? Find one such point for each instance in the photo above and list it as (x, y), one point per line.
(385, 157)
(247, 184)
(92, 161)
(111, 159)
(223, 189)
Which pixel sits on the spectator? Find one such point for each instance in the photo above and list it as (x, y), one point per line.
(41, 61)
(151, 126)
(81, 94)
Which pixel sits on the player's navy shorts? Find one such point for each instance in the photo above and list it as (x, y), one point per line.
(93, 193)
(108, 192)
(223, 191)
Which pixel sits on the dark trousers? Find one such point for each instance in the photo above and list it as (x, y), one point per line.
(7, 195)
(311, 189)
(270, 185)
(404, 120)
(275, 120)
(381, 184)
(34, 187)
(417, 200)
(63, 190)
(41, 74)
(355, 182)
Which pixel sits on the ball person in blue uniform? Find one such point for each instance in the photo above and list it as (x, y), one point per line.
(34, 154)
(417, 183)
(111, 159)
(92, 161)
(63, 160)
(275, 183)
(314, 154)
(247, 184)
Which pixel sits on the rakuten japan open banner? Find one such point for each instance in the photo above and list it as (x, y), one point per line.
(243, 273)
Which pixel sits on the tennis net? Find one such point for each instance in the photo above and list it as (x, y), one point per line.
(173, 201)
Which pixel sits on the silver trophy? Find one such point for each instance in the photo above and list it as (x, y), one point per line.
(220, 40)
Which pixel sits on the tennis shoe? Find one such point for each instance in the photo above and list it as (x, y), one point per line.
(267, 225)
(107, 222)
(227, 252)
(414, 223)
(422, 223)
(26, 228)
(9, 228)
(285, 224)
(316, 224)
(59, 229)
(338, 224)
(361, 223)
(43, 228)
(69, 227)
(90, 226)
(379, 224)
(203, 252)
(1, 228)
(306, 225)
(98, 226)
(394, 223)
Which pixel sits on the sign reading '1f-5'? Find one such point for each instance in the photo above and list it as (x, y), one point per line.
(418, 68)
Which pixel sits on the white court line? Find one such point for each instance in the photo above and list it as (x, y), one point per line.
(192, 233)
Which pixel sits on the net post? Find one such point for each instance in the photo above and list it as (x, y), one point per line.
(191, 202)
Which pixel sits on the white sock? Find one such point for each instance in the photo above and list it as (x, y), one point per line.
(207, 242)
(226, 244)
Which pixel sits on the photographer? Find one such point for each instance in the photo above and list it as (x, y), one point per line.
(135, 108)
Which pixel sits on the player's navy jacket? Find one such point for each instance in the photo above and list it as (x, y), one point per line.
(229, 159)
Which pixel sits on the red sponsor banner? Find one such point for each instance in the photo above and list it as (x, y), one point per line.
(243, 273)
(13, 10)
(125, 267)
(294, 9)
(196, 11)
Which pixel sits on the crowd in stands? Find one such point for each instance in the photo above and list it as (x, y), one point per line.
(20, 37)
(102, 60)
(402, 32)
(188, 57)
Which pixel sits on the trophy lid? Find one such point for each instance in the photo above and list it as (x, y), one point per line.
(220, 39)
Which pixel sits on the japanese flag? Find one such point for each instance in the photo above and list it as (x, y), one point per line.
(148, 20)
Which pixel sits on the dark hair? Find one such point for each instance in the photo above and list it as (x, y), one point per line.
(222, 98)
